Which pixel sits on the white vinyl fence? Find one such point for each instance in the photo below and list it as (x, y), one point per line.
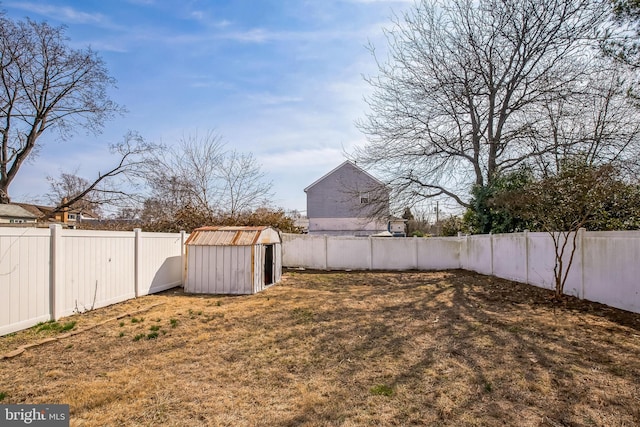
(605, 269)
(46, 274)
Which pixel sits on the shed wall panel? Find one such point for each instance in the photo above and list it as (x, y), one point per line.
(219, 270)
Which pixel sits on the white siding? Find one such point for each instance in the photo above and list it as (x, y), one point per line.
(219, 270)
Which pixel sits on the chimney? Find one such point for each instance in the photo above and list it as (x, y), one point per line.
(65, 211)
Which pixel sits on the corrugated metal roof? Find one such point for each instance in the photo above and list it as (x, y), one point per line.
(226, 236)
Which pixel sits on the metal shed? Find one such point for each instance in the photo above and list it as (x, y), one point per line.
(233, 260)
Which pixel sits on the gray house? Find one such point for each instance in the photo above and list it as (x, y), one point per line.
(347, 201)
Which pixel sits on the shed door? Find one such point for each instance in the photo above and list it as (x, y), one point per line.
(268, 265)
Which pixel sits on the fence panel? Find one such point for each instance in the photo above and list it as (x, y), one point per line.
(612, 269)
(348, 253)
(389, 253)
(301, 250)
(24, 278)
(476, 254)
(438, 253)
(95, 269)
(160, 262)
(510, 256)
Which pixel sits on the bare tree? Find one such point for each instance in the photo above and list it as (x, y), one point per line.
(45, 84)
(201, 174)
(470, 89)
(245, 185)
(115, 187)
(68, 185)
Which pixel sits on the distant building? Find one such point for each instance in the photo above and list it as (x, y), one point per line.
(347, 201)
(16, 214)
(30, 215)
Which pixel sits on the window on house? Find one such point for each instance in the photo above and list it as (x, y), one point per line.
(72, 216)
(364, 198)
(17, 221)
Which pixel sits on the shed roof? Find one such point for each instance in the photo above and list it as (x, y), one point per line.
(232, 236)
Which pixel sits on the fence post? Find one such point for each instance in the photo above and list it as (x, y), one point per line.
(415, 240)
(491, 248)
(526, 256)
(183, 258)
(326, 254)
(55, 266)
(136, 263)
(370, 253)
(581, 232)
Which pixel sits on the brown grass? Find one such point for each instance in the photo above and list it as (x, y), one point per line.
(341, 349)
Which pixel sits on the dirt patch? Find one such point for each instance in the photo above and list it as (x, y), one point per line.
(340, 349)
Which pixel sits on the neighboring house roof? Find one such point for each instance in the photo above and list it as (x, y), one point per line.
(41, 211)
(348, 162)
(15, 211)
(37, 210)
(232, 236)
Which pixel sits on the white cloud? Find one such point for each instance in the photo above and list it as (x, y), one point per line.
(61, 13)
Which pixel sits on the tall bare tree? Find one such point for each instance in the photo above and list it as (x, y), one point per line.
(45, 85)
(245, 184)
(471, 89)
(200, 173)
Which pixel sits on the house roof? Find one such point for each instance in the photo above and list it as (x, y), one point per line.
(15, 211)
(348, 162)
(41, 211)
(232, 236)
(36, 210)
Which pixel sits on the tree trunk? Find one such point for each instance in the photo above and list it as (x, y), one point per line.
(4, 196)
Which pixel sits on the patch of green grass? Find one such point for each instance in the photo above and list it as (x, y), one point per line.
(174, 322)
(3, 395)
(219, 303)
(138, 337)
(381, 390)
(54, 326)
(69, 326)
(121, 334)
(121, 324)
(135, 320)
(488, 387)
(69, 346)
(152, 335)
(154, 328)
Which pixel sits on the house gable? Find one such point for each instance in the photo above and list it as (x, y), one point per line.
(346, 192)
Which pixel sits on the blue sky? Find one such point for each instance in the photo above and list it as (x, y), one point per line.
(279, 78)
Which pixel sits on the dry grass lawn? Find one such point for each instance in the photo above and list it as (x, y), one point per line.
(340, 349)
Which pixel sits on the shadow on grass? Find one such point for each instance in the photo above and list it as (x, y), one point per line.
(458, 347)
